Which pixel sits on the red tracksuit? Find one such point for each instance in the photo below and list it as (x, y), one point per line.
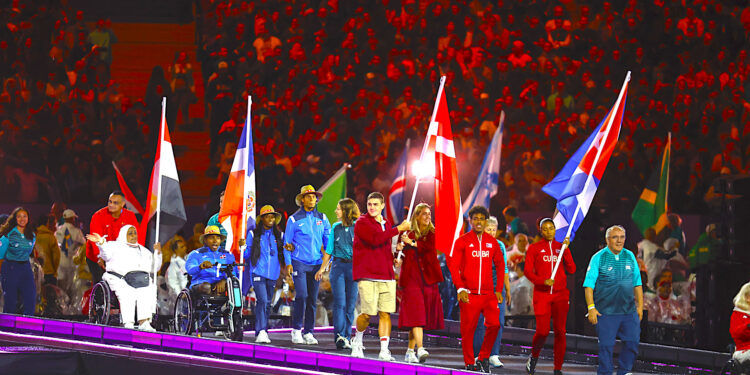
(739, 328)
(541, 257)
(471, 268)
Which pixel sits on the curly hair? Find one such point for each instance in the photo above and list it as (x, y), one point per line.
(12, 222)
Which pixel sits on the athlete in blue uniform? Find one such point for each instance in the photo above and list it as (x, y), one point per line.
(615, 301)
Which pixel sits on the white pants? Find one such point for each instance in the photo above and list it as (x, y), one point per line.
(129, 297)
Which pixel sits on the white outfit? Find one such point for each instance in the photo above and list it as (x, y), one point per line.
(176, 277)
(654, 265)
(122, 257)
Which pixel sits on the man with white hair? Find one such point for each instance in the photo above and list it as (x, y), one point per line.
(615, 301)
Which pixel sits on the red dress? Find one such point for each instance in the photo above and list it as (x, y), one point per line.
(421, 305)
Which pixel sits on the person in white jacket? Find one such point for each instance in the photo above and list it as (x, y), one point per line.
(69, 238)
(176, 273)
(130, 274)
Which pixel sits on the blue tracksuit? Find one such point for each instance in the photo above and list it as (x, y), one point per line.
(265, 273)
(198, 256)
(16, 275)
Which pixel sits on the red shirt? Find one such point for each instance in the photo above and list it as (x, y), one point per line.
(738, 328)
(540, 262)
(471, 265)
(372, 257)
(421, 263)
(103, 223)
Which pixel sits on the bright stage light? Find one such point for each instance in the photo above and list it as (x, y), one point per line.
(423, 169)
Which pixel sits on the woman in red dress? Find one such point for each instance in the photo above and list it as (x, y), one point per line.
(421, 307)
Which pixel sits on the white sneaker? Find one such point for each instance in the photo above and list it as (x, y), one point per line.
(495, 361)
(385, 355)
(422, 354)
(262, 338)
(347, 343)
(310, 339)
(297, 337)
(128, 325)
(146, 326)
(220, 334)
(357, 349)
(410, 357)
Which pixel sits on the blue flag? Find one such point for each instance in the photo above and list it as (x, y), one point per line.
(487, 181)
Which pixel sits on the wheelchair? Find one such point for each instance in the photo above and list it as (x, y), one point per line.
(104, 308)
(199, 313)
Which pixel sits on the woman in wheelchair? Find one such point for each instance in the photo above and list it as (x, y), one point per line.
(130, 275)
(739, 328)
(204, 278)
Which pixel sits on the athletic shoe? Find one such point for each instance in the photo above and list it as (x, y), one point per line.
(471, 367)
(146, 326)
(422, 354)
(357, 349)
(531, 365)
(484, 365)
(262, 338)
(410, 357)
(347, 343)
(310, 339)
(557, 372)
(495, 361)
(340, 342)
(128, 325)
(297, 337)
(385, 355)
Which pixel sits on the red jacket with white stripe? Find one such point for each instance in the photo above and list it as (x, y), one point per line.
(540, 261)
(739, 328)
(471, 264)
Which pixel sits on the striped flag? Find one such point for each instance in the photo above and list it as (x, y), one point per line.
(395, 198)
(237, 213)
(575, 186)
(333, 190)
(165, 210)
(130, 201)
(487, 181)
(651, 209)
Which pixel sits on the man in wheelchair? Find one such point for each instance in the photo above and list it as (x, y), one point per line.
(130, 275)
(204, 278)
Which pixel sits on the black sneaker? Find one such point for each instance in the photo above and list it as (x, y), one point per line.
(471, 367)
(531, 365)
(557, 372)
(484, 365)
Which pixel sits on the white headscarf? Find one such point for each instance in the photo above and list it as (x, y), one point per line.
(122, 237)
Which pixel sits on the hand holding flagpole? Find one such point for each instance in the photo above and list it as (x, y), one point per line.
(243, 232)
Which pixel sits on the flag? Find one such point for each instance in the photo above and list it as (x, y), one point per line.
(487, 181)
(575, 186)
(439, 141)
(130, 202)
(333, 190)
(395, 198)
(651, 209)
(165, 211)
(239, 196)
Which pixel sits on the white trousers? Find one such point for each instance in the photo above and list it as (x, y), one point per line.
(129, 297)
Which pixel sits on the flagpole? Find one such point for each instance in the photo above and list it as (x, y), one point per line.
(158, 193)
(589, 177)
(243, 224)
(426, 141)
(666, 188)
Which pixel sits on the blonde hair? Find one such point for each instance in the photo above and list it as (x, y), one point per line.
(415, 226)
(740, 300)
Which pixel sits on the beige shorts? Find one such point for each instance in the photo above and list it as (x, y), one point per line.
(377, 296)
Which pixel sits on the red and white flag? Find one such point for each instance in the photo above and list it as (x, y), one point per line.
(439, 142)
(130, 202)
(165, 210)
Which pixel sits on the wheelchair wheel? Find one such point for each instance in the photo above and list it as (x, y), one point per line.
(236, 327)
(100, 303)
(183, 313)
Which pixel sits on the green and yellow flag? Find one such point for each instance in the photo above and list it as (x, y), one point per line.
(651, 209)
(333, 190)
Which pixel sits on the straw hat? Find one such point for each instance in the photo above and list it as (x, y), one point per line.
(307, 189)
(212, 230)
(268, 210)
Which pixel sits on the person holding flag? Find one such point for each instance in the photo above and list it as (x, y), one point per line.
(306, 237)
(551, 296)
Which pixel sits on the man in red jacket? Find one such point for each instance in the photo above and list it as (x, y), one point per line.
(372, 268)
(107, 222)
(471, 267)
(541, 258)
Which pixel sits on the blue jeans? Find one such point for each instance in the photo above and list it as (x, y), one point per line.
(345, 293)
(306, 295)
(264, 289)
(447, 291)
(628, 328)
(18, 281)
(479, 332)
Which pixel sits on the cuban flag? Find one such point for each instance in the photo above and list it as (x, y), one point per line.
(575, 186)
(396, 193)
(487, 181)
(237, 213)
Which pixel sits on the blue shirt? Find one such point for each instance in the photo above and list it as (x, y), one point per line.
(308, 231)
(505, 256)
(613, 278)
(14, 246)
(340, 241)
(268, 262)
(208, 275)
